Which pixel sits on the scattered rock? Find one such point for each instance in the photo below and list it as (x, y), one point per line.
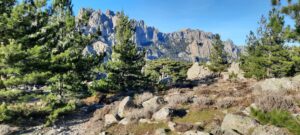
(110, 119)
(125, 121)
(194, 132)
(238, 124)
(171, 125)
(182, 127)
(163, 114)
(124, 105)
(146, 121)
(269, 130)
(153, 102)
(6, 129)
(161, 131)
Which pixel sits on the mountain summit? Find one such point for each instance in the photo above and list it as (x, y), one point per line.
(186, 44)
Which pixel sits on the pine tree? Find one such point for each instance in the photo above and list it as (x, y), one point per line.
(267, 56)
(125, 68)
(71, 70)
(23, 56)
(292, 33)
(218, 57)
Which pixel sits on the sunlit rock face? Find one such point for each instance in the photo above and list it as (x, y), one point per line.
(186, 44)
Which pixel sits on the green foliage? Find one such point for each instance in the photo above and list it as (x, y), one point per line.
(160, 68)
(218, 57)
(41, 46)
(233, 76)
(267, 56)
(279, 118)
(124, 70)
(70, 107)
(9, 95)
(5, 114)
(99, 86)
(295, 55)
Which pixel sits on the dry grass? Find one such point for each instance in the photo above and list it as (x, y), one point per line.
(178, 99)
(199, 116)
(140, 98)
(202, 102)
(272, 101)
(226, 102)
(137, 129)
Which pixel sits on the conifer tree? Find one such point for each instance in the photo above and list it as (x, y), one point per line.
(267, 56)
(71, 70)
(125, 68)
(23, 56)
(218, 57)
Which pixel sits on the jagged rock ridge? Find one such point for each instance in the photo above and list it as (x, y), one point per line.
(186, 44)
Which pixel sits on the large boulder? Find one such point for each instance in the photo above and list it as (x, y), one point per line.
(198, 72)
(7, 130)
(153, 103)
(163, 114)
(238, 124)
(274, 85)
(110, 119)
(234, 69)
(124, 106)
(269, 130)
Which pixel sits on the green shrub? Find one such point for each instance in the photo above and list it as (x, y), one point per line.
(233, 76)
(279, 118)
(9, 95)
(157, 69)
(52, 118)
(99, 86)
(5, 114)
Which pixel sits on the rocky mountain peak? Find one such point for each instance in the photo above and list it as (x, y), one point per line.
(186, 44)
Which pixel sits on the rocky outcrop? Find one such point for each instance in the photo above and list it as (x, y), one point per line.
(163, 114)
(238, 124)
(277, 85)
(186, 44)
(7, 130)
(198, 72)
(124, 105)
(233, 71)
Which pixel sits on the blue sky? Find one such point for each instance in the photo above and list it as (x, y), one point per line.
(233, 19)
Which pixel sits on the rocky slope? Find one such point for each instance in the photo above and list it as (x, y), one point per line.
(213, 107)
(186, 44)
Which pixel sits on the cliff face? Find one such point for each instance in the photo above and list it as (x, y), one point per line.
(186, 44)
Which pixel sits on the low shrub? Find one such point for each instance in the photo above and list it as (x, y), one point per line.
(9, 95)
(161, 69)
(178, 99)
(140, 98)
(279, 118)
(271, 101)
(202, 102)
(226, 102)
(52, 118)
(5, 114)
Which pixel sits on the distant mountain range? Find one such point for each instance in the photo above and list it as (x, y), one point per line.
(186, 44)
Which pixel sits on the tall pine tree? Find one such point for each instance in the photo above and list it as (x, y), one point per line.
(71, 70)
(267, 56)
(24, 59)
(125, 68)
(218, 57)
